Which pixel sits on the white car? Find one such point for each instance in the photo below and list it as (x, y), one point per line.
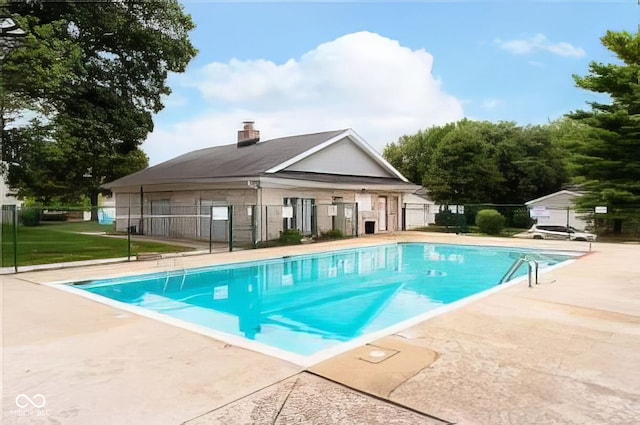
(549, 231)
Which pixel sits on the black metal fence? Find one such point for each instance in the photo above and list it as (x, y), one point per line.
(615, 224)
(34, 235)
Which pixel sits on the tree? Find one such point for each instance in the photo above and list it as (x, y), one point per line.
(59, 167)
(607, 161)
(532, 164)
(521, 163)
(462, 169)
(411, 155)
(96, 72)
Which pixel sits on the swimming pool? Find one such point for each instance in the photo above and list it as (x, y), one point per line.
(308, 304)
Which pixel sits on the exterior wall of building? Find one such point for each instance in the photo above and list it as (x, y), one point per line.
(257, 213)
(560, 211)
(356, 162)
(420, 212)
(184, 214)
(271, 218)
(5, 195)
(371, 212)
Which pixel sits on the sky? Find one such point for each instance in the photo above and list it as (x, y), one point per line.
(384, 69)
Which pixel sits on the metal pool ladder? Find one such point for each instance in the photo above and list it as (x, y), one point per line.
(532, 264)
(182, 273)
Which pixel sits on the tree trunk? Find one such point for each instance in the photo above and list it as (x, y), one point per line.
(93, 197)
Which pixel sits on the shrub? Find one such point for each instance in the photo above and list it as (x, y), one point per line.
(521, 219)
(331, 234)
(291, 237)
(30, 216)
(445, 218)
(268, 244)
(490, 222)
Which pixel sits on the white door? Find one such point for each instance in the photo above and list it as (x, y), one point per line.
(160, 217)
(382, 213)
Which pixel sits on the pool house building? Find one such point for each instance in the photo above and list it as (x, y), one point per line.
(255, 189)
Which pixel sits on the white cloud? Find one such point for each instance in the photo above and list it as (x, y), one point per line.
(362, 81)
(540, 43)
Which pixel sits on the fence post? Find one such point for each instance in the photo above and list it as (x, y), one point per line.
(254, 227)
(2, 223)
(210, 229)
(141, 224)
(404, 217)
(314, 220)
(15, 238)
(128, 233)
(266, 223)
(357, 219)
(230, 212)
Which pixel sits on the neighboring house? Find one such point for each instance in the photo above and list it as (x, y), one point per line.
(8, 203)
(6, 196)
(420, 211)
(106, 209)
(558, 209)
(312, 182)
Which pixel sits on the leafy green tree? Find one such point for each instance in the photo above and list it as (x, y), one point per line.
(532, 164)
(56, 168)
(521, 163)
(411, 155)
(95, 72)
(462, 169)
(607, 161)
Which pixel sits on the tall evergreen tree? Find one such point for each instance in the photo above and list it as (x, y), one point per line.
(607, 163)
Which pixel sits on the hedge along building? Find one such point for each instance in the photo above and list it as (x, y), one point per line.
(312, 182)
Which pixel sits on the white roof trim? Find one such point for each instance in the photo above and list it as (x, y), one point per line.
(551, 195)
(356, 139)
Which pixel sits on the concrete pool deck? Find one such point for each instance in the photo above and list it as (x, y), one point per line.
(563, 352)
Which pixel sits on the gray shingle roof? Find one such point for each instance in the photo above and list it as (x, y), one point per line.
(225, 161)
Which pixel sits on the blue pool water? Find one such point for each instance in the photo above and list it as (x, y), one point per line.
(304, 304)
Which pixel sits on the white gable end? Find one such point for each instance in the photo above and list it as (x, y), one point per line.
(343, 157)
(561, 199)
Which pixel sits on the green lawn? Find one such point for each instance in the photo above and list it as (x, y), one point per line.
(63, 242)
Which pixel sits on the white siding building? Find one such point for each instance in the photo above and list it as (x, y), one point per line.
(557, 209)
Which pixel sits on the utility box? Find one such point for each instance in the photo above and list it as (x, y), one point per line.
(369, 227)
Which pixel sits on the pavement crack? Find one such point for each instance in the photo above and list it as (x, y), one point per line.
(275, 419)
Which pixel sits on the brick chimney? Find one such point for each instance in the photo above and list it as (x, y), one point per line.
(248, 135)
